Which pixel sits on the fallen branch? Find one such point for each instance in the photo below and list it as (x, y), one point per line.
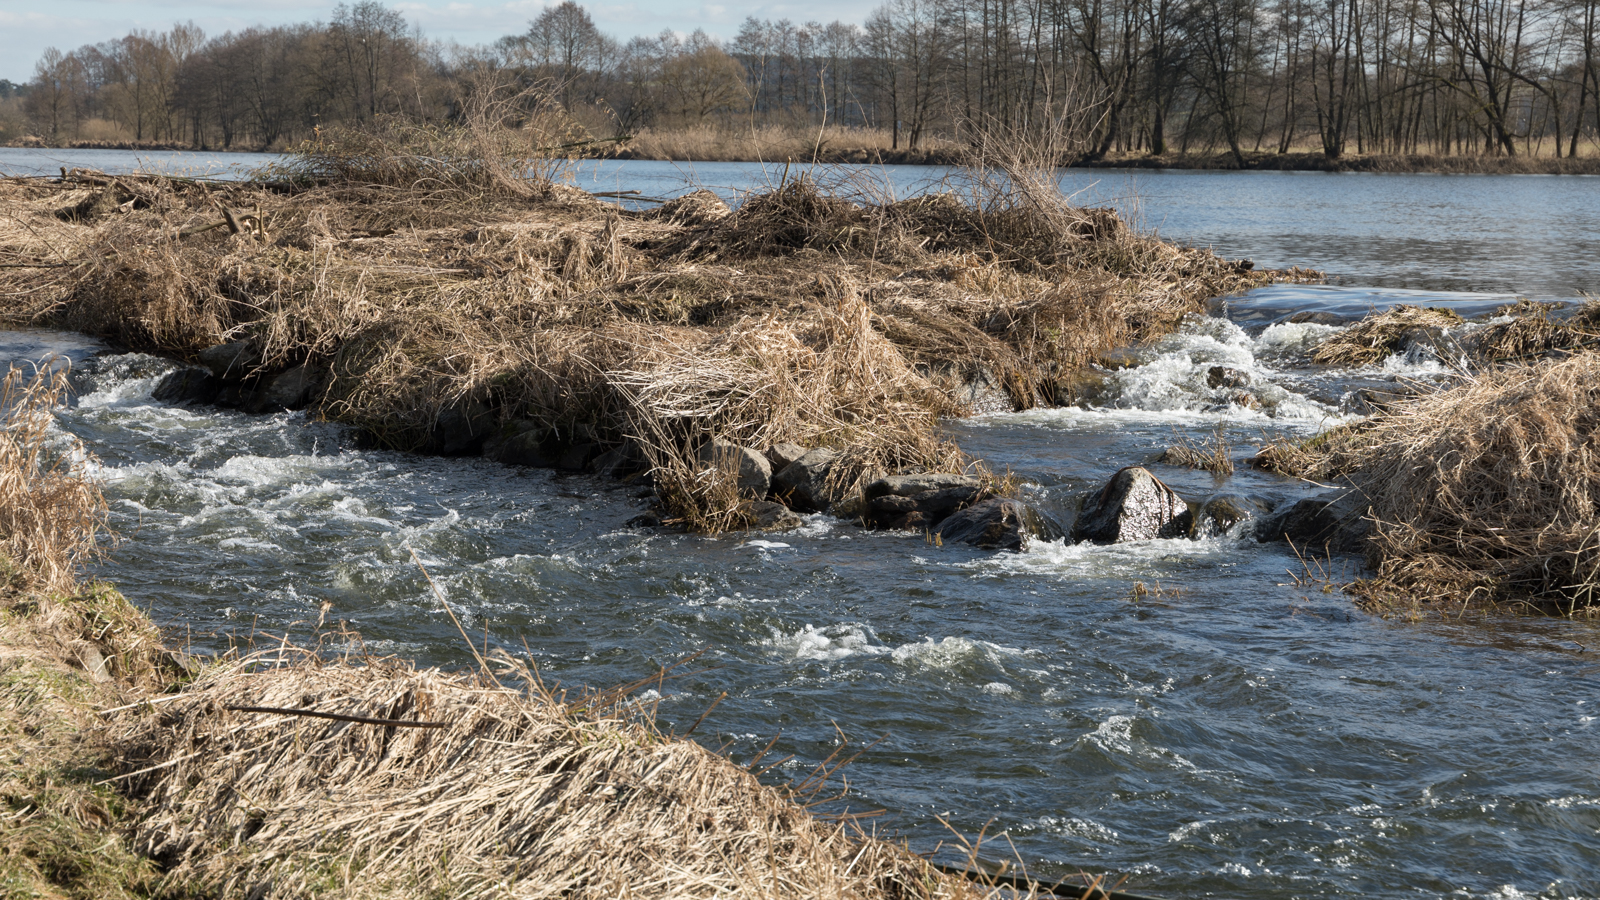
(338, 717)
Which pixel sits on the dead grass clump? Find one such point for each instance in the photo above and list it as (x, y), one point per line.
(1488, 492)
(1534, 332)
(1213, 454)
(1375, 338)
(495, 791)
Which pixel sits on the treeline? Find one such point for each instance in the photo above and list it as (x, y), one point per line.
(1451, 77)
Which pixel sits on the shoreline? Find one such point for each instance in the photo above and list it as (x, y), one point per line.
(1429, 164)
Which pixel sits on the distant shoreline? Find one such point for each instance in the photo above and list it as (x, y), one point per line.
(949, 156)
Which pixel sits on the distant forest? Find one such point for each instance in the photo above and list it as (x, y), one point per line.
(1451, 77)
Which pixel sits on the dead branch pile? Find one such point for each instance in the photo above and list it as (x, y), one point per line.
(1488, 492)
(512, 794)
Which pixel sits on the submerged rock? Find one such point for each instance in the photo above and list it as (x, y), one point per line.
(999, 524)
(1226, 377)
(754, 472)
(1332, 520)
(1222, 511)
(1133, 506)
(802, 484)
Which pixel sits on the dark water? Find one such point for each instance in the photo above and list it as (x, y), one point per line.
(1239, 732)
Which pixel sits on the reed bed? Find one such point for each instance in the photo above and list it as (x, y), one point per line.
(426, 300)
(1376, 337)
(491, 792)
(1482, 494)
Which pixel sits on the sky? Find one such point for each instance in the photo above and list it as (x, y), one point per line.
(29, 26)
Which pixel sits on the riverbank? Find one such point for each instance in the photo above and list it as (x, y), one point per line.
(135, 770)
(452, 309)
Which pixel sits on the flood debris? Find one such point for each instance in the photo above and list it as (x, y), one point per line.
(424, 293)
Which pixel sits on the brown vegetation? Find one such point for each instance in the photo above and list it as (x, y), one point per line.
(450, 295)
(1484, 493)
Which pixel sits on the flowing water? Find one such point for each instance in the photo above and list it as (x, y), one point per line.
(1232, 730)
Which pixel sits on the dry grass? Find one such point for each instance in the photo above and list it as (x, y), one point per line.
(424, 299)
(516, 794)
(1485, 493)
(1375, 338)
(1213, 454)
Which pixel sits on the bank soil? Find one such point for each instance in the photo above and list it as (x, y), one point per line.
(462, 312)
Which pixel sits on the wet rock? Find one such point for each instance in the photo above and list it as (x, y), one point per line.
(644, 520)
(1317, 317)
(802, 484)
(621, 461)
(1133, 506)
(1087, 386)
(188, 385)
(912, 485)
(923, 510)
(461, 429)
(576, 457)
(999, 524)
(1332, 520)
(765, 515)
(230, 362)
(1222, 511)
(290, 389)
(1122, 358)
(1226, 377)
(781, 456)
(754, 472)
(521, 443)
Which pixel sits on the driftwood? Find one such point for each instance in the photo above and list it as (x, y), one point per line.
(338, 717)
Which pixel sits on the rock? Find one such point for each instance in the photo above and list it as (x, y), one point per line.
(998, 524)
(755, 473)
(286, 390)
(1332, 520)
(912, 485)
(1316, 317)
(1133, 506)
(981, 393)
(460, 430)
(1086, 386)
(230, 362)
(644, 520)
(923, 510)
(576, 457)
(1222, 511)
(768, 516)
(1124, 358)
(620, 461)
(188, 385)
(521, 443)
(1225, 376)
(802, 485)
(781, 456)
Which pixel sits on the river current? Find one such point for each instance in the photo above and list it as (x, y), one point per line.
(1234, 728)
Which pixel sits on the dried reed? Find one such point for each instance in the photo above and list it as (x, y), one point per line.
(1376, 337)
(513, 794)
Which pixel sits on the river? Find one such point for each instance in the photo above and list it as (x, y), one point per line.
(1241, 731)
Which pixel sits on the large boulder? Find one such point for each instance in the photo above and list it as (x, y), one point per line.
(754, 472)
(1133, 506)
(802, 484)
(1223, 510)
(999, 524)
(1332, 520)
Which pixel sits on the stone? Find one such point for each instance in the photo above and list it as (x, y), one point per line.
(621, 461)
(230, 362)
(1133, 506)
(1223, 510)
(802, 485)
(922, 510)
(576, 457)
(462, 429)
(999, 524)
(1226, 377)
(754, 472)
(912, 485)
(782, 455)
(290, 389)
(521, 443)
(1333, 520)
(765, 515)
(191, 384)
(1123, 358)
(644, 520)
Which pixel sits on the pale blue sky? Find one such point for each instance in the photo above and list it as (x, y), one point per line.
(28, 26)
